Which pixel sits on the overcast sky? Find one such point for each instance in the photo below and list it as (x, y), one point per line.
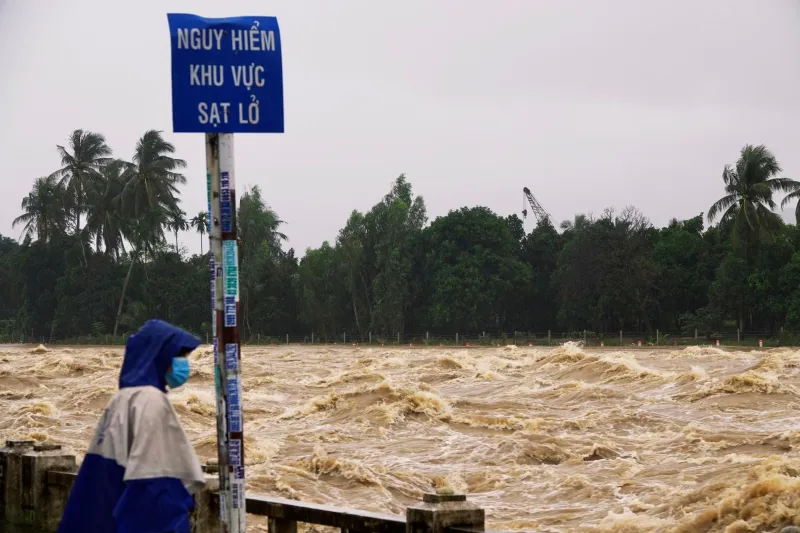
(590, 104)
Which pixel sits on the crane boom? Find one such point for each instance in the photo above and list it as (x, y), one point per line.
(536, 207)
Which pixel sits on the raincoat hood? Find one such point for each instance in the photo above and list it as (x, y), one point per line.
(149, 353)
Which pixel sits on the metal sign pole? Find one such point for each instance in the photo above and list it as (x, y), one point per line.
(230, 339)
(225, 295)
(215, 268)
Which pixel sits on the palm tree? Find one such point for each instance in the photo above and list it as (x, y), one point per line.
(144, 233)
(257, 223)
(43, 210)
(176, 221)
(794, 186)
(257, 230)
(200, 223)
(89, 153)
(106, 220)
(151, 183)
(580, 222)
(149, 195)
(749, 187)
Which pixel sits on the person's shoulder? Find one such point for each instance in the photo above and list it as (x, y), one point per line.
(145, 396)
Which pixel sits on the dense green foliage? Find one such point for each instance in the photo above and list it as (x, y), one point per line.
(100, 254)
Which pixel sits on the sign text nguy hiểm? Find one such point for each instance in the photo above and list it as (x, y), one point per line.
(227, 74)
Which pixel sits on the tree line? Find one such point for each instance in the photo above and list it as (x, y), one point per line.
(96, 257)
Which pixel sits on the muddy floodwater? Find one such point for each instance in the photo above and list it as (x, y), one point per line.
(549, 440)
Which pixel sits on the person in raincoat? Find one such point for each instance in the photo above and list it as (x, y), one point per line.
(140, 470)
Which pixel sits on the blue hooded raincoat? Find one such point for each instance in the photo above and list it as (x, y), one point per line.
(140, 468)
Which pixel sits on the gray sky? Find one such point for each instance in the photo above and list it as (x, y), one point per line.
(590, 104)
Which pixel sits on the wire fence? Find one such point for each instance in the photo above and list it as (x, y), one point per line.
(548, 338)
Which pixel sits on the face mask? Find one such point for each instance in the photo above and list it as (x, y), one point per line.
(179, 373)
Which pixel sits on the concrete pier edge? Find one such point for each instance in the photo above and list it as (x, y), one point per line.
(36, 479)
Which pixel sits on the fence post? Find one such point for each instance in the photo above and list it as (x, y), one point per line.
(548, 337)
(205, 516)
(584, 336)
(657, 337)
(281, 525)
(398, 338)
(620, 337)
(427, 337)
(456, 339)
(27, 499)
(438, 512)
(312, 337)
(370, 337)
(344, 338)
(738, 335)
(695, 333)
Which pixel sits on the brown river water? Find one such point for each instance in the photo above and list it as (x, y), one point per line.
(549, 440)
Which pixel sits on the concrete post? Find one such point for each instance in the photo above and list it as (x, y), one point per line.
(437, 512)
(278, 525)
(11, 479)
(25, 497)
(205, 517)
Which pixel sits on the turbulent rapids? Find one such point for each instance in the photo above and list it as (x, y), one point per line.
(552, 440)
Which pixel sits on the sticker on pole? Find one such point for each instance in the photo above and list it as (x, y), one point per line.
(208, 213)
(234, 406)
(230, 281)
(212, 271)
(230, 268)
(227, 74)
(230, 311)
(235, 453)
(225, 210)
(237, 494)
(232, 357)
(223, 509)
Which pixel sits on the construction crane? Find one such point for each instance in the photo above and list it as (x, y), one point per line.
(536, 207)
